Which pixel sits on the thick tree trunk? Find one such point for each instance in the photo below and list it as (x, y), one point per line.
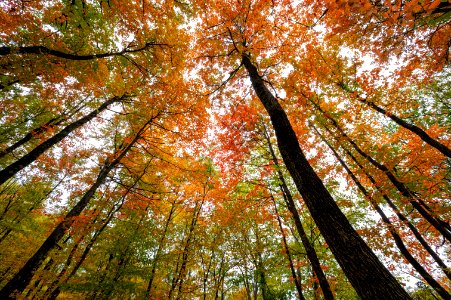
(366, 273)
(398, 241)
(27, 159)
(309, 249)
(25, 274)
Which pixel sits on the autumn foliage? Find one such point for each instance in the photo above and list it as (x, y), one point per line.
(225, 149)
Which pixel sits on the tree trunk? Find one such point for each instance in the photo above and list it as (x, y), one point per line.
(440, 225)
(287, 251)
(403, 218)
(367, 274)
(159, 249)
(27, 159)
(25, 274)
(412, 128)
(309, 249)
(398, 241)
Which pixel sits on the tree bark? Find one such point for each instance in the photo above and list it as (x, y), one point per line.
(25, 274)
(27, 159)
(367, 274)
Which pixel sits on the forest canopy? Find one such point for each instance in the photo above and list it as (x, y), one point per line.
(226, 149)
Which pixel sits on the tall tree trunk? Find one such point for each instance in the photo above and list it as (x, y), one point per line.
(411, 127)
(182, 272)
(287, 251)
(398, 241)
(27, 159)
(159, 249)
(440, 225)
(309, 249)
(53, 292)
(403, 218)
(367, 274)
(25, 274)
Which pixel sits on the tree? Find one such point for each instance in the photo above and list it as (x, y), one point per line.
(225, 149)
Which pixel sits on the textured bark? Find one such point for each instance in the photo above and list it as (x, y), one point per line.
(27, 159)
(25, 274)
(367, 274)
(309, 249)
(398, 241)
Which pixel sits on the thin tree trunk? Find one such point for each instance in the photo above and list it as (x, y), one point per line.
(440, 225)
(5, 50)
(51, 123)
(54, 292)
(159, 249)
(25, 274)
(27, 159)
(411, 127)
(124, 259)
(287, 251)
(309, 249)
(366, 273)
(182, 272)
(403, 218)
(398, 241)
